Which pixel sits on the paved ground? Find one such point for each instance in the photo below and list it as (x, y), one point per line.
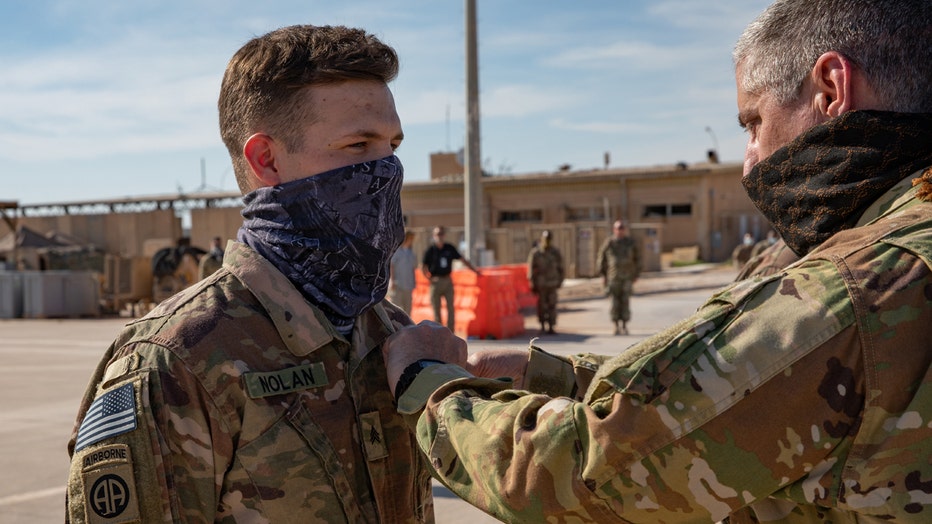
(46, 364)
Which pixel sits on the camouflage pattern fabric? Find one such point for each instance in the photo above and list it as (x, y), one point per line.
(209, 263)
(547, 305)
(619, 261)
(243, 404)
(769, 261)
(545, 276)
(804, 396)
(545, 267)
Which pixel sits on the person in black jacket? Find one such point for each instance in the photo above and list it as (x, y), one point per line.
(437, 266)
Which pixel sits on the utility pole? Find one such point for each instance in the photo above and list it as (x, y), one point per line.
(714, 159)
(472, 180)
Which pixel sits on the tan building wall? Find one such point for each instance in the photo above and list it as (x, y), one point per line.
(124, 234)
(679, 206)
(207, 223)
(578, 242)
(433, 203)
(445, 165)
(668, 207)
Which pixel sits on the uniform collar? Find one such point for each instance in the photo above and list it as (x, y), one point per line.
(894, 199)
(302, 327)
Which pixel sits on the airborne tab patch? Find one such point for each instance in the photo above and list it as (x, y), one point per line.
(110, 486)
(285, 381)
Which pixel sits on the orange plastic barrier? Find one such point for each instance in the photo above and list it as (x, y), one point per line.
(527, 301)
(485, 305)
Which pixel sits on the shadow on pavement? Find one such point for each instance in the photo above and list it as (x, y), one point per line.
(558, 337)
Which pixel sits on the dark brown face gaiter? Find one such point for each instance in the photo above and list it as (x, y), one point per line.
(821, 182)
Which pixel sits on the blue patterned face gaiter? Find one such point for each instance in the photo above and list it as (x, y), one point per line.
(331, 234)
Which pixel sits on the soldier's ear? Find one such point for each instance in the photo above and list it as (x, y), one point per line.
(832, 78)
(261, 151)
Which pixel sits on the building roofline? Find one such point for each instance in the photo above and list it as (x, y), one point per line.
(234, 198)
(135, 204)
(633, 173)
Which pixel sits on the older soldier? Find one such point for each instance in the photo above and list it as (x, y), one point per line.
(259, 395)
(804, 396)
(619, 263)
(545, 275)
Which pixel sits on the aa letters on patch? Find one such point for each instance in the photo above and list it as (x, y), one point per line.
(111, 414)
(110, 486)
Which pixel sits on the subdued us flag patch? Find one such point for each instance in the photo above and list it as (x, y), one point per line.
(111, 414)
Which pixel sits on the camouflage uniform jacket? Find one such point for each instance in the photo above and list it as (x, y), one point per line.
(768, 261)
(237, 401)
(804, 396)
(619, 260)
(545, 268)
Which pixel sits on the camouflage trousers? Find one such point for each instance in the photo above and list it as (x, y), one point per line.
(547, 305)
(442, 288)
(620, 292)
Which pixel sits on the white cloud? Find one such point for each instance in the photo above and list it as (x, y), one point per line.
(135, 95)
(602, 127)
(632, 54)
(524, 100)
(515, 102)
(718, 16)
(429, 107)
(96, 83)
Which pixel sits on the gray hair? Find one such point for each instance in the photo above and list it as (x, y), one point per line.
(890, 41)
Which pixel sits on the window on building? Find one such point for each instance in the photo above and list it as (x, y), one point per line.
(525, 215)
(582, 214)
(681, 210)
(668, 210)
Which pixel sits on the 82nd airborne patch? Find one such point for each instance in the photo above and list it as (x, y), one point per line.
(109, 486)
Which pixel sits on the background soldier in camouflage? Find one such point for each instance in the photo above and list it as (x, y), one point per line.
(545, 274)
(803, 396)
(259, 394)
(619, 263)
(212, 260)
(771, 259)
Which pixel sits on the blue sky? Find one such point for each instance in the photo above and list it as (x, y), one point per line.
(116, 98)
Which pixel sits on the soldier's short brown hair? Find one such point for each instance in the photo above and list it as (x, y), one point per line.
(263, 81)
